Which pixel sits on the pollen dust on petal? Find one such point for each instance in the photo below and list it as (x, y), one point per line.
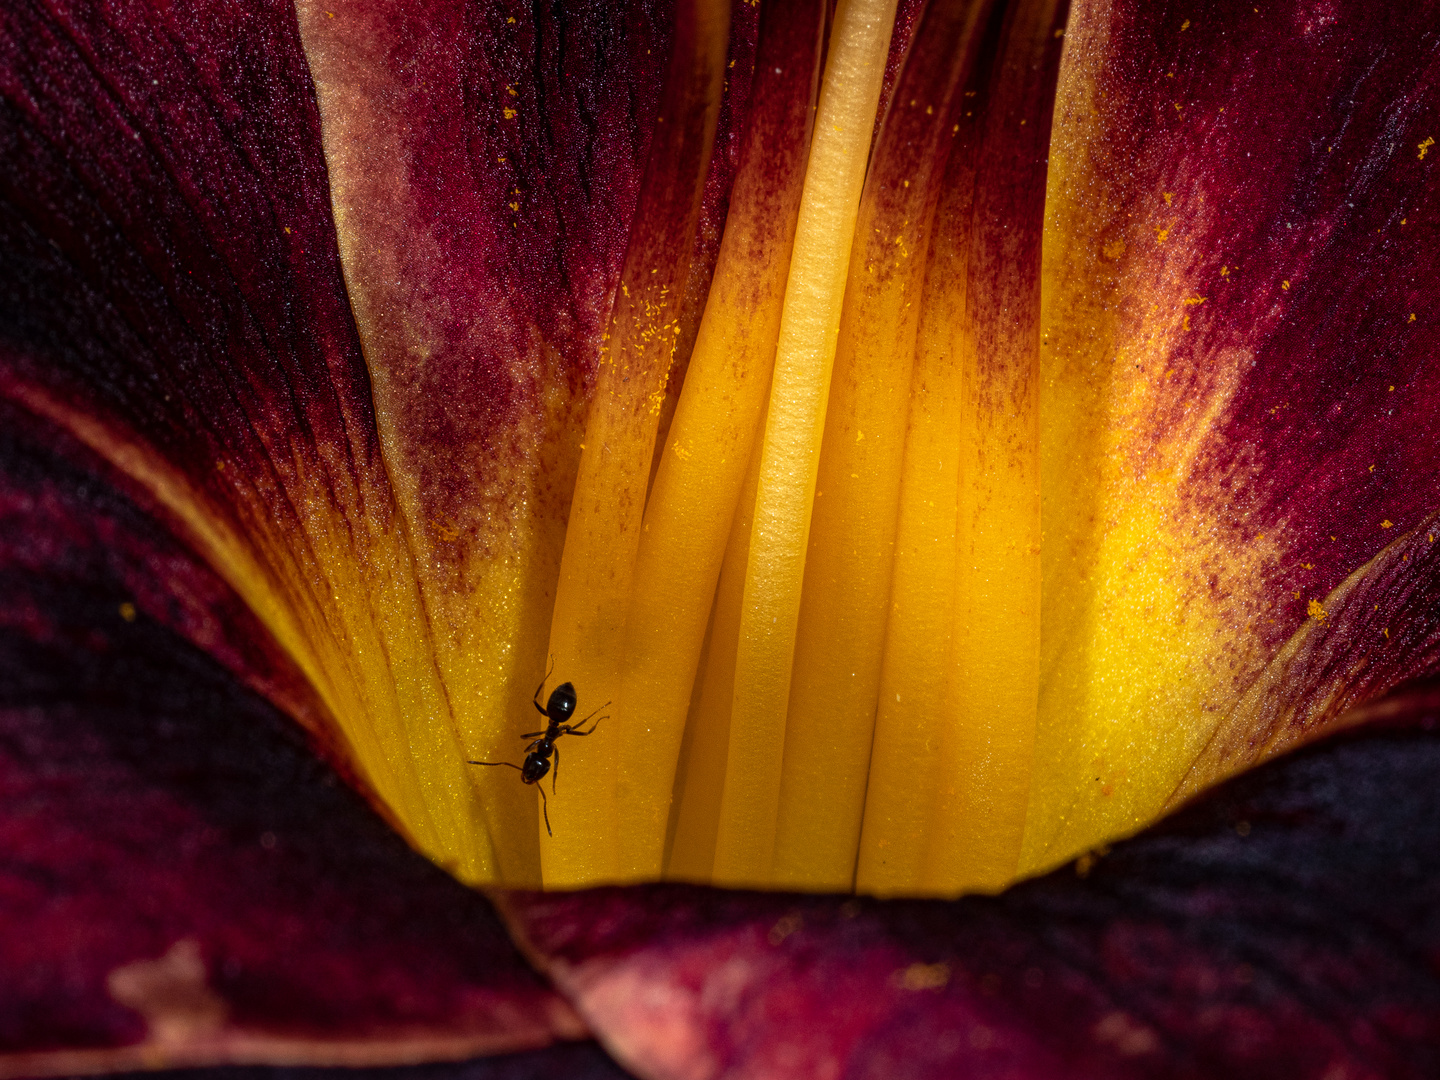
(922, 977)
(172, 994)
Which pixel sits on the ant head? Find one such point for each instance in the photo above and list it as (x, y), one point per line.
(534, 768)
(562, 703)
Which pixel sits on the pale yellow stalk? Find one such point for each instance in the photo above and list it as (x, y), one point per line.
(849, 96)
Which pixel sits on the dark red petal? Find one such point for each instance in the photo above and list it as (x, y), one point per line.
(1240, 421)
(1284, 926)
(566, 1061)
(169, 259)
(180, 879)
(172, 294)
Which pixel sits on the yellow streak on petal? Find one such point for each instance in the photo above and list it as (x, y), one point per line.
(1144, 590)
(587, 632)
(344, 621)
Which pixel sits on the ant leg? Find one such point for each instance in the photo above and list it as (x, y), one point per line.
(556, 778)
(545, 809)
(536, 702)
(532, 735)
(494, 763)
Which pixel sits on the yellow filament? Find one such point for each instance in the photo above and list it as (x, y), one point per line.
(693, 853)
(914, 707)
(841, 638)
(977, 817)
(841, 629)
(693, 499)
(809, 327)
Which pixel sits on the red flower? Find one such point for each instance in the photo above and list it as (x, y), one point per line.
(357, 361)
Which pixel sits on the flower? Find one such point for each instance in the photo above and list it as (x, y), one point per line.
(336, 342)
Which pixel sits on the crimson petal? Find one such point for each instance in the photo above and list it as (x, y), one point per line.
(1283, 926)
(180, 879)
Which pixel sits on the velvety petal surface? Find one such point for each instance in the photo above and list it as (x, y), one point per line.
(1239, 422)
(1282, 926)
(181, 880)
(173, 298)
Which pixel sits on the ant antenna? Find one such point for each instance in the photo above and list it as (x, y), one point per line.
(582, 723)
(544, 806)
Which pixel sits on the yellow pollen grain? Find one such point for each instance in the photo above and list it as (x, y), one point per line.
(1387, 524)
(922, 977)
(1425, 146)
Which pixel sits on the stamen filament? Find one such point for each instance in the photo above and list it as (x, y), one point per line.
(601, 540)
(693, 499)
(846, 600)
(809, 328)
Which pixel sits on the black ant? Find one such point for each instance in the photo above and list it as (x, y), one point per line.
(557, 710)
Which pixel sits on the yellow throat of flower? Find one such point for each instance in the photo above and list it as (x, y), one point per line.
(806, 615)
(804, 608)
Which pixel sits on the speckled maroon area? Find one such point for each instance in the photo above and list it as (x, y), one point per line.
(1283, 927)
(1268, 168)
(176, 867)
(1288, 143)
